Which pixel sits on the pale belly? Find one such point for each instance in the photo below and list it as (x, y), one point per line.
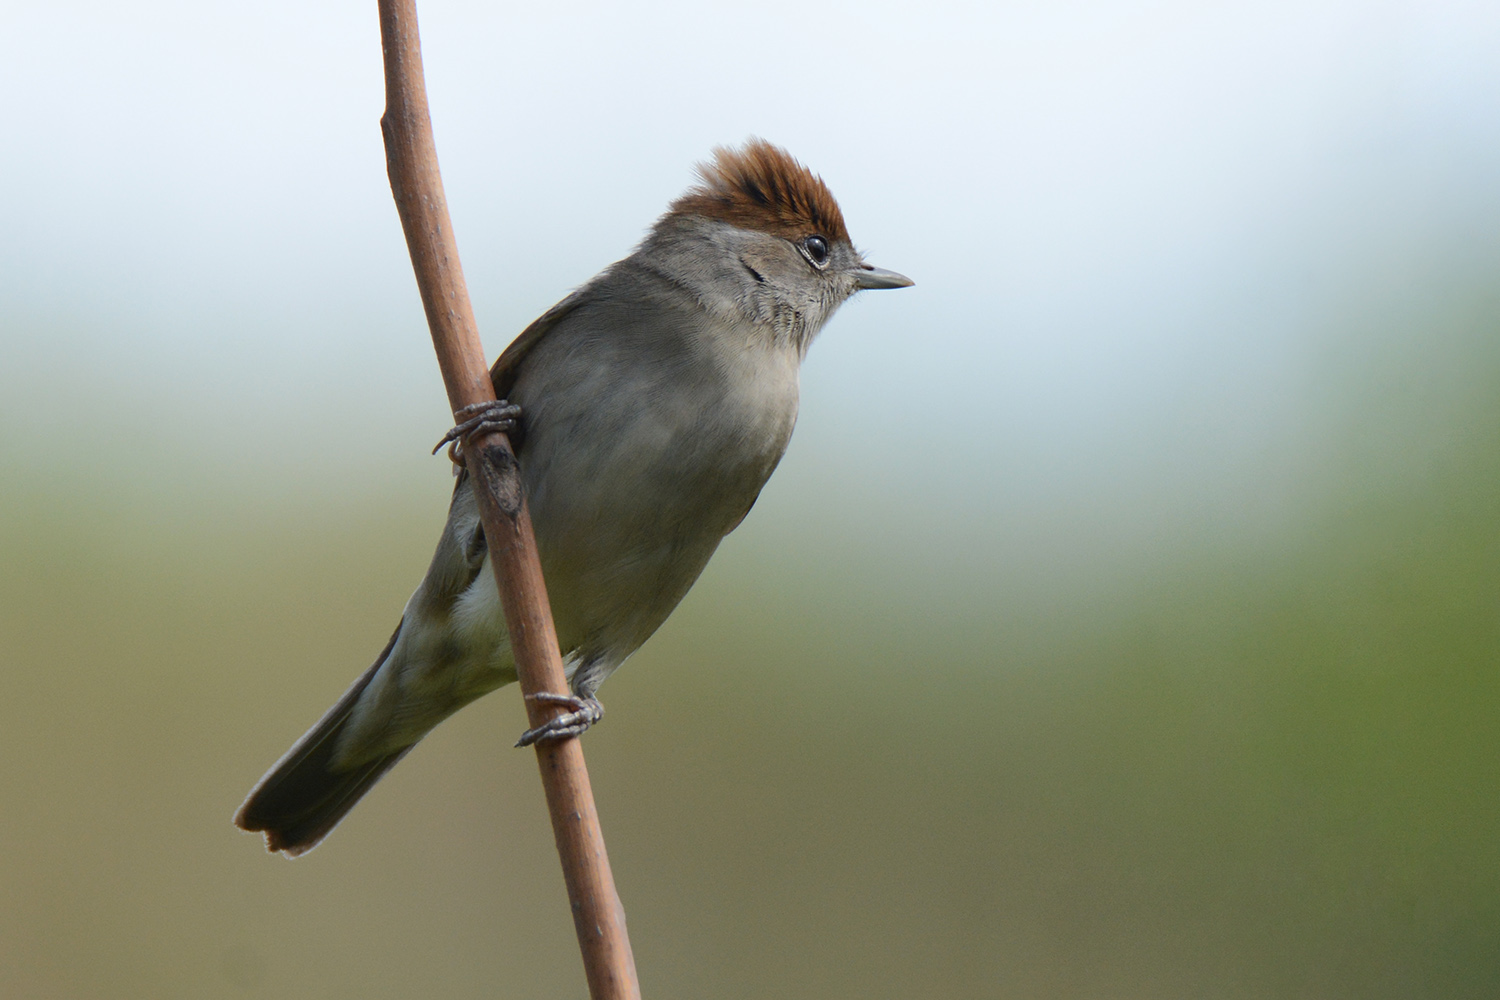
(627, 517)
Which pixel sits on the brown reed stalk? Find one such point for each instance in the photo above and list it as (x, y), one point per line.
(411, 160)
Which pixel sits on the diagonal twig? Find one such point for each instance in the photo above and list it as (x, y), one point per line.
(411, 160)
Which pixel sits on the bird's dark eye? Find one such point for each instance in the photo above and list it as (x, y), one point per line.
(816, 248)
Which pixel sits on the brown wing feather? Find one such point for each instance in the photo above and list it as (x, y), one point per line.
(506, 367)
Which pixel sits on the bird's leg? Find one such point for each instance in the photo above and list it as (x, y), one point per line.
(582, 713)
(479, 418)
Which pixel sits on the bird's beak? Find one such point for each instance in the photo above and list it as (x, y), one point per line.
(870, 276)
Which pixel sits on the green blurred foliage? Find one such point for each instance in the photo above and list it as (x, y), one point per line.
(1122, 624)
(1246, 771)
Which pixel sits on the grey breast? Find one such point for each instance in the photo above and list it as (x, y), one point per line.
(645, 443)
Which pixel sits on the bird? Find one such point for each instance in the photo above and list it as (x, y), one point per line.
(647, 409)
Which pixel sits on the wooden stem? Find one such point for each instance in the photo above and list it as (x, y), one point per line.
(411, 160)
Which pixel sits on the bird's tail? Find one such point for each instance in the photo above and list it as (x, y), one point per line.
(306, 794)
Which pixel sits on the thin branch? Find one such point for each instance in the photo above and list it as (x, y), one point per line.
(411, 160)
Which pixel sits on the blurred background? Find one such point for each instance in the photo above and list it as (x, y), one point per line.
(1123, 622)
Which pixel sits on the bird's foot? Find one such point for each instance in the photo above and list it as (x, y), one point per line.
(582, 713)
(476, 419)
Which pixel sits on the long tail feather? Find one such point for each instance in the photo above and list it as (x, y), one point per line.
(304, 796)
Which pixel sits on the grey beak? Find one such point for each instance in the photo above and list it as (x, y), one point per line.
(870, 276)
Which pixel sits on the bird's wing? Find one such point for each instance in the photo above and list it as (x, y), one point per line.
(461, 550)
(508, 365)
(459, 556)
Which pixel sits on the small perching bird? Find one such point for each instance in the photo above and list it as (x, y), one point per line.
(647, 410)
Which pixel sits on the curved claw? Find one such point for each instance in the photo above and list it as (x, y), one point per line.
(478, 418)
(582, 713)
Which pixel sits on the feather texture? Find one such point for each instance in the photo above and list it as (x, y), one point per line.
(762, 187)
